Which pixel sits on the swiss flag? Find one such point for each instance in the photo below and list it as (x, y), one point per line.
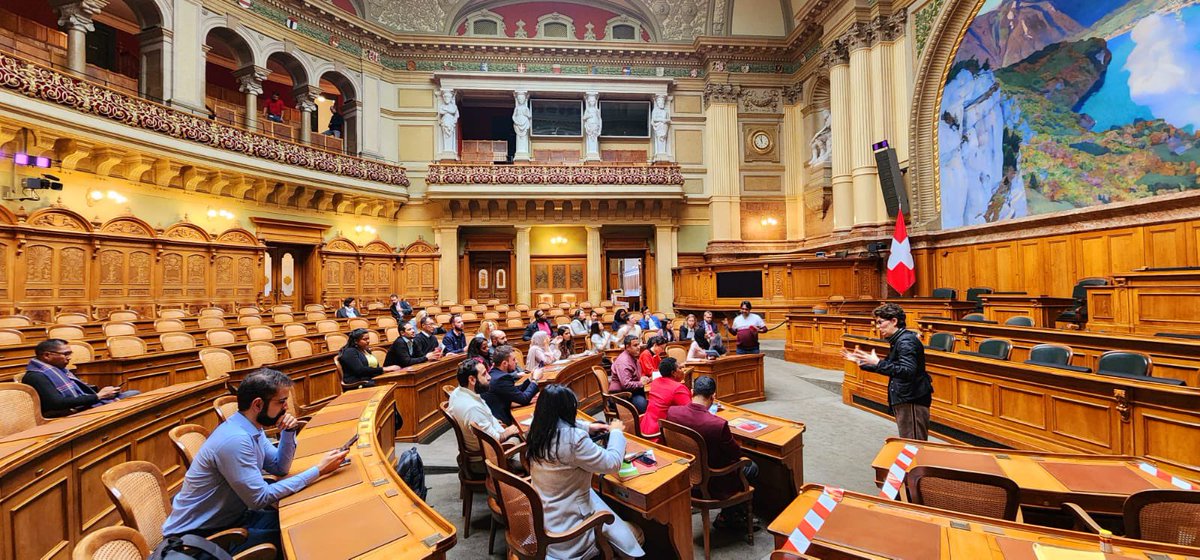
(901, 275)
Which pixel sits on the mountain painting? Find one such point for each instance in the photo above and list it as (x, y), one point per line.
(1058, 104)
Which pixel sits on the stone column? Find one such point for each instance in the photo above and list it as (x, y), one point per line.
(306, 102)
(352, 112)
(865, 178)
(446, 239)
(883, 104)
(722, 159)
(75, 17)
(595, 265)
(795, 158)
(838, 59)
(155, 71)
(524, 284)
(666, 257)
(250, 81)
(902, 87)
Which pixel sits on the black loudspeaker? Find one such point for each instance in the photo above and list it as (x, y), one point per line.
(895, 197)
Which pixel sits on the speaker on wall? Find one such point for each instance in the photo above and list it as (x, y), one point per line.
(895, 197)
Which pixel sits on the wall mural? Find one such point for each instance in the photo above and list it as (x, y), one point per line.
(1058, 104)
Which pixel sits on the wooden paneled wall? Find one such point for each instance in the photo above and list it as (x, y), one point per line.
(1051, 264)
(558, 276)
(375, 271)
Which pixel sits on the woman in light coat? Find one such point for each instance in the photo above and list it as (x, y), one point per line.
(542, 351)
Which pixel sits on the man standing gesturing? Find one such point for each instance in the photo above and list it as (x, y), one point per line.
(910, 389)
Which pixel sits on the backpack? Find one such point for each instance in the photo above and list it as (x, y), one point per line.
(188, 547)
(412, 471)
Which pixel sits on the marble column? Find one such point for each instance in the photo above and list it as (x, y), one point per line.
(446, 239)
(883, 95)
(666, 257)
(524, 285)
(865, 178)
(250, 81)
(795, 158)
(75, 17)
(902, 87)
(722, 160)
(306, 102)
(595, 265)
(838, 59)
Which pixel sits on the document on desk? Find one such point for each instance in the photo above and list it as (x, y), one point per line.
(752, 427)
(348, 532)
(1046, 552)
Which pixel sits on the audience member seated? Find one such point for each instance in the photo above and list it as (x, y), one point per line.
(620, 318)
(688, 329)
(400, 308)
(563, 459)
(593, 318)
(706, 326)
(601, 339)
(358, 363)
(712, 348)
(224, 487)
(485, 329)
(649, 359)
(723, 449)
(566, 342)
(666, 334)
(663, 393)
(499, 338)
(578, 324)
(649, 322)
(348, 309)
(630, 328)
(466, 407)
(627, 374)
(60, 392)
(274, 108)
(539, 323)
(426, 342)
(746, 327)
(455, 341)
(480, 350)
(404, 353)
(542, 351)
(505, 391)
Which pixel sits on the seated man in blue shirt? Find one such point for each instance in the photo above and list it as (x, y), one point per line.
(455, 341)
(224, 488)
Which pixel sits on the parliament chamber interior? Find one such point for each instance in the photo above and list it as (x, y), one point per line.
(719, 279)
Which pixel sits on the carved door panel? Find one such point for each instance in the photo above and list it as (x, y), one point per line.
(491, 277)
(283, 271)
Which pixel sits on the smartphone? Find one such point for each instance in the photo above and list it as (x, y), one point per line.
(349, 444)
(646, 460)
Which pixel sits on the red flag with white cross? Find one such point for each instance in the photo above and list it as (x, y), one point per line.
(901, 273)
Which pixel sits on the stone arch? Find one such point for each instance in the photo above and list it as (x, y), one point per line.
(293, 62)
(241, 48)
(351, 105)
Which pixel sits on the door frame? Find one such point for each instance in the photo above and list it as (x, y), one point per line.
(274, 232)
(486, 242)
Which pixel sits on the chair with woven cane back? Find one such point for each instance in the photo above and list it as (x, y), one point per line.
(970, 492)
(218, 362)
(468, 482)
(112, 543)
(1160, 515)
(527, 536)
(495, 452)
(188, 439)
(20, 408)
(227, 406)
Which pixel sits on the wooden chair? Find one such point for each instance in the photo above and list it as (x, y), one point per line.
(968, 492)
(522, 307)
(220, 337)
(1124, 363)
(631, 417)
(124, 315)
(176, 341)
(112, 543)
(248, 311)
(10, 321)
(9, 337)
(210, 322)
(218, 362)
(294, 329)
(334, 341)
(72, 318)
(260, 332)
(514, 314)
(142, 497)
(391, 333)
(514, 322)
(974, 317)
(996, 348)
(562, 320)
(373, 338)
(315, 315)
(491, 315)
(282, 318)
(82, 352)
(168, 325)
(433, 310)
(215, 312)
(677, 352)
(468, 482)
(358, 323)
(249, 320)
(1050, 354)
(328, 326)
(470, 316)
(20, 408)
(380, 354)
(119, 328)
(1019, 322)
(337, 364)
(314, 307)
(1159, 515)
(226, 406)
(502, 308)
(262, 353)
(126, 346)
(478, 308)
(470, 302)
(64, 332)
(457, 309)
(492, 302)
(495, 452)
(281, 309)
(385, 321)
(447, 303)
(172, 314)
(556, 312)
(188, 439)
(687, 440)
(299, 347)
(522, 509)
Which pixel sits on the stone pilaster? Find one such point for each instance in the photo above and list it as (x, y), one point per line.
(837, 58)
(865, 178)
(795, 159)
(666, 257)
(722, 159)
(595, 265)
(524, 284)
(446, 238)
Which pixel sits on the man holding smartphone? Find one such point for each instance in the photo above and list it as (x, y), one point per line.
(60, 392)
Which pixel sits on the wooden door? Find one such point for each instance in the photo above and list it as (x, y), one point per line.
(491, 276)
(284, 270)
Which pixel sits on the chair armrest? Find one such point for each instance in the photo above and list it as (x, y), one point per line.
(654, 436)
(739, 467)
(510, 450)
(265, 551)
(229, 538)
(596, 520)
(1083, 521)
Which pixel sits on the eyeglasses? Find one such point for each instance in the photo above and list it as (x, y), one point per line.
(67, 353)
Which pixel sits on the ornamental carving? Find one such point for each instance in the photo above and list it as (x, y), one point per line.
(39, 263)
(888, 28)
(419, 247)
(459, 174)
(54, 87)
(246, 271)
(225, 271)
(70, 265)
(792, 94)
(421, 16)
(172, 269)
(139, 267)
(127, 226)
(427, 274)
(368, 275)
(837, 54)
(55, 218)
(377, 247)
(682, 20)
(721, 93)
(186, 232)
(349, 273)
(341, 245)
(237, 237)
(332, 272)
(111, 263)
(861, 35)
(414, 277)
(759, 101)
(195, 272)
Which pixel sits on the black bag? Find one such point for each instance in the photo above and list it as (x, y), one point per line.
(188, 547)
(412, 471)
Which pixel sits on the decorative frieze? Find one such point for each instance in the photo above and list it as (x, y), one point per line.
(793, 93)
(721, 93)
(759, 100)
(592, 174)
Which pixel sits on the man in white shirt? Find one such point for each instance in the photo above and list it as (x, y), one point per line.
(746, 327)
(467, 407)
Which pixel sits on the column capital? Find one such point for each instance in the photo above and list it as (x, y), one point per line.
(861, 35)
(306, 97)
(721, 93)
(591, 228)
(793, 93)
(888, 28)
(523, 228)
(77, 14)
(836, 54)
(250, 78)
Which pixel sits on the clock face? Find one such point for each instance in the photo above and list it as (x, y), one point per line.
(761, 141)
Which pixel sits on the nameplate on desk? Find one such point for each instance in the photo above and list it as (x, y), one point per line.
(963, 525)
(1002, 456)
(993, 530)
(364, 445)
(682, 461)
(379, 482)
(431, 539)
(391, 493)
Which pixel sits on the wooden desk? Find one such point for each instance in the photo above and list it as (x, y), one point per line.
(50, 490)
(914, 308)
(316, 380)
(862, 526)
(1042, 309)
(576, 374)
(419, 392)
(369, 478)
(817, 339)
(1147, 301)
(739, 377)
(1047, 409)
(779, 454)
(661, 502)
(1097, 483)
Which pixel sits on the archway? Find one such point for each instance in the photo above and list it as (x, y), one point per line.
(338, 92)
(229, 75)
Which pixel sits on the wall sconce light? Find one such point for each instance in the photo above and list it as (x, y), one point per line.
(95, 196)
(364, 229)
(558, 240)
(769, 222)
(36, 161)
(220, 213)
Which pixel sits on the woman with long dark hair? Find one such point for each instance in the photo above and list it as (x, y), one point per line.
(566, 344)
(620, 319)
(600, 338)
(563, 458)
(358, 363)
(480, 350)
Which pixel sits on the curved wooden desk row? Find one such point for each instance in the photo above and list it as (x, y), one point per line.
(739, 376)
(816, 340)
(364, 509)
(861, 526)
(50, 490)
(315, 377)
(1045, 408)
(1097, 483)
(1172, 357)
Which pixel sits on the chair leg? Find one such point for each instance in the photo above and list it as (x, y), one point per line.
(492, 536)
(468, 496)
(750, 522)
(707, 529)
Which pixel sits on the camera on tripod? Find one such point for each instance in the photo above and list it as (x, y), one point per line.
(45, 182)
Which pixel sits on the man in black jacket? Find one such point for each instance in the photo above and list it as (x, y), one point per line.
(426, 340)
(910, 389)
(503, 392)
(400, 308)
(405, 352)
(60, 392)
(539, 322)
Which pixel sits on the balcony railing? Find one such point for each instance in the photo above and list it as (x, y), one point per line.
(39, 82)
(559, 174)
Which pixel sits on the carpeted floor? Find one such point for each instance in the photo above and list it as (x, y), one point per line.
(839, 444)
